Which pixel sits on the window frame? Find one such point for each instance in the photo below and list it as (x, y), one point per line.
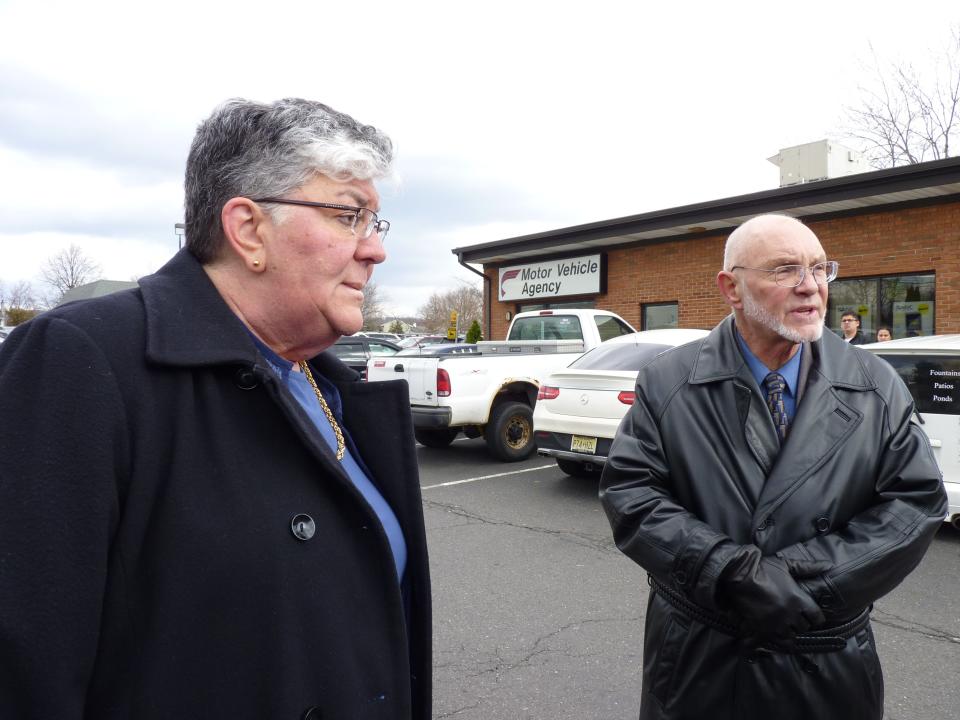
(644, 325)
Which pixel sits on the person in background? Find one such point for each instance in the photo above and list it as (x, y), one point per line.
(884, 334)
(850, 327)
(203, 514)
(773, 487)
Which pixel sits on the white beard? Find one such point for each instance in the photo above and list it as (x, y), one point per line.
(758, 313)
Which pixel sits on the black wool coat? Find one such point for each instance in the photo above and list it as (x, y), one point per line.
(696, 470)
(150, 469)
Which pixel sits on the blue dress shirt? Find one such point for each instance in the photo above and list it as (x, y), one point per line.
(790, 373)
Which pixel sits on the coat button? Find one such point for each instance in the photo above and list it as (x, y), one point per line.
(246, 378)
(825, 600)
(762, 526)
(681, 577)
(822, 524)
(303, 528)
(312, 713)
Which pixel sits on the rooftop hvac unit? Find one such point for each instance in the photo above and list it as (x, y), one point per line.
(820, 160)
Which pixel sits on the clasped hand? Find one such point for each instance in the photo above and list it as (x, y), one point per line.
(765, 592)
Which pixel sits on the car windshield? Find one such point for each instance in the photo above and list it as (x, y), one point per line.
(618, 356)
(348, 350)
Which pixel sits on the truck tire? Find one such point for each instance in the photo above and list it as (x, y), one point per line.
(435, 437)
(509, 433)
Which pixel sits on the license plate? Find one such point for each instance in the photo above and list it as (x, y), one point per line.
(579, 443)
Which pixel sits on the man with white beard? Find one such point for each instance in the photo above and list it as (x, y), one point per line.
(770, 481)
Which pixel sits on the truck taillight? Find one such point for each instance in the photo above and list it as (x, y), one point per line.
(443, 383)
(548, 393)
(627, 397)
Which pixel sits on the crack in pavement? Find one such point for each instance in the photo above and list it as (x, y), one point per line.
(889, 619)
(498, 665)
(581, 539)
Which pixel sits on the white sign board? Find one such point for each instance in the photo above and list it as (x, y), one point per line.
(554, 278)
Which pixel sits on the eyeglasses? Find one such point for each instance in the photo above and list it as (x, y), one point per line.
(362, 221)
(793, 275)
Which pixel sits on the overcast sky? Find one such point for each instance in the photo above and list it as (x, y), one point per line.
(509, 117)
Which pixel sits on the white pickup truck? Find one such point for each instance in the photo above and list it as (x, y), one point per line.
(492, 392)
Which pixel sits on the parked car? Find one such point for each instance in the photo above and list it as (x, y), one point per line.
(491, 393)
(930, 366)
(580, 407)
(390, 337)
(421, 340)
(355, 350)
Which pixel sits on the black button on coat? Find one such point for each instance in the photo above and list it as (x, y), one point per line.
(150, 467)
(696, 470)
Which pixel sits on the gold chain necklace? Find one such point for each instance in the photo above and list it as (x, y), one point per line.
(326, 409)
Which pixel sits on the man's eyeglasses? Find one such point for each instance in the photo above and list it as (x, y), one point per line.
(793, 275)
(362, 221)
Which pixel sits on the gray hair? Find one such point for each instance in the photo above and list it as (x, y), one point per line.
(746, 231)
(251, 149)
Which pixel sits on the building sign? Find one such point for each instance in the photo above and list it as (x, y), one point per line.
(582, 275)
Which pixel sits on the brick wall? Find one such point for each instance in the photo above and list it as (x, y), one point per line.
(920, 239)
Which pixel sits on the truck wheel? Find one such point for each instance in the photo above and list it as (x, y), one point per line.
(575, 469)
(509, 433)
(435, 437)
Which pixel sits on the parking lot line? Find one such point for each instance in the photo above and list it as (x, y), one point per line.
(487, 477)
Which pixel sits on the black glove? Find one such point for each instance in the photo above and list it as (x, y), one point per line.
(765, 592)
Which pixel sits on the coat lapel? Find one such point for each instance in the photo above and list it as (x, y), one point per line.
(821, 425)
(759, 432)
(721, 364)
(823, 422)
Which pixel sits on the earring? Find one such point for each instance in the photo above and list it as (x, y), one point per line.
(256, 263)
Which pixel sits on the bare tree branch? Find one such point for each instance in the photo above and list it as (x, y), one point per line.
(68, 269)
(372, 308)
(905, 116)
(467, 300)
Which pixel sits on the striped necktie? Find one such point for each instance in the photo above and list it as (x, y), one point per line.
(775, 385)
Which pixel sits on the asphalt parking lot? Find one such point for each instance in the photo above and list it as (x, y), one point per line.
(537, 614)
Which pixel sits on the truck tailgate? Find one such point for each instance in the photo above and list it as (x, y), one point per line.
(419, 372)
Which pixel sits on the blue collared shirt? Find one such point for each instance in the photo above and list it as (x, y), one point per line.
(790, 372)
(300, 388)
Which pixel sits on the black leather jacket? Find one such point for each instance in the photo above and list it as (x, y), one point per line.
(696, 464)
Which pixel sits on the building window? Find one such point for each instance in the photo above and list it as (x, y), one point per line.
(654, 316)
(903, 303)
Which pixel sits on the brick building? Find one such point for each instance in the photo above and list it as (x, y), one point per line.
(895, 233)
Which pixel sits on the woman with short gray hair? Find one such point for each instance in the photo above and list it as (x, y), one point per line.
(202, 513)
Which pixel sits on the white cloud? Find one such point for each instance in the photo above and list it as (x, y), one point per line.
(509, 117)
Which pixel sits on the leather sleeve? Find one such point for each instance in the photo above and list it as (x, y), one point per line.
(62, 440)
(649, 525)
(872, 553)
